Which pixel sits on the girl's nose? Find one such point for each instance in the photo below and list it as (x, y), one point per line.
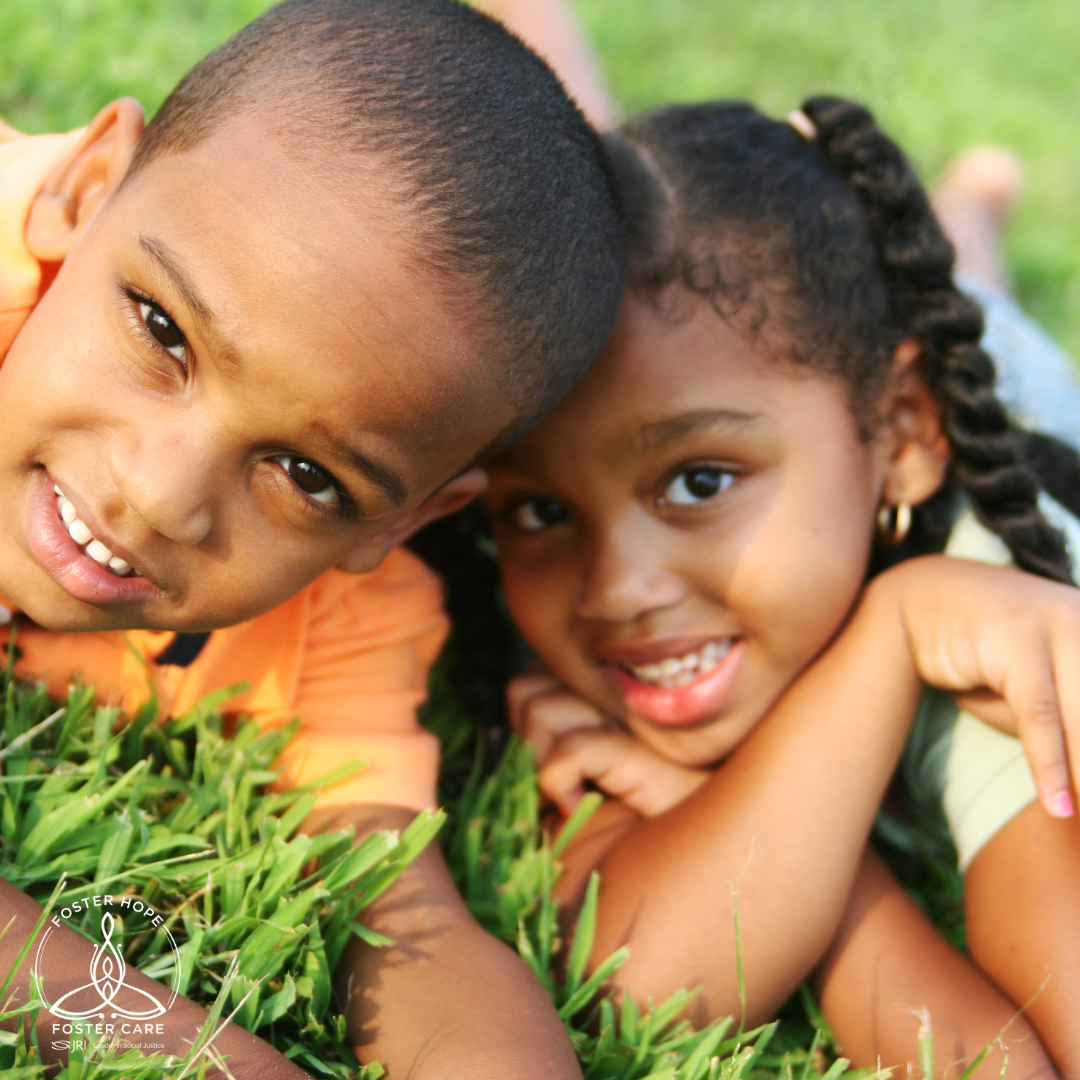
(625, 577)
(168, 478)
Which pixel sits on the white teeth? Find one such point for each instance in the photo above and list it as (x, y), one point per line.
(672, 672)
(81, 534)
(98, 552)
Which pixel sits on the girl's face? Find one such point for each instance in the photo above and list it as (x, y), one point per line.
(688, 529)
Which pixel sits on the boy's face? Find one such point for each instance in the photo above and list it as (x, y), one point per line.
(237, 379)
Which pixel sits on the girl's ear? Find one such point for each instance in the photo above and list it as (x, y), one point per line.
(917, 451)
(450, 497)
(81, 182)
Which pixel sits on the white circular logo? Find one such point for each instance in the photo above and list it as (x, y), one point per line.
(107, 1005)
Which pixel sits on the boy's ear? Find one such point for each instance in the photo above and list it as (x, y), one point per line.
(918, 451)
(450, 497)
(81, 182)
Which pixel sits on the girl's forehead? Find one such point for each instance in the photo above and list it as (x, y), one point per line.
(662, 381)
(657, 364)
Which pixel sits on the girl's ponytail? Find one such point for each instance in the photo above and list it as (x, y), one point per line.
(917, 260)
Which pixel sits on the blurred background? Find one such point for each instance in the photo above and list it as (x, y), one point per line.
(940, 74)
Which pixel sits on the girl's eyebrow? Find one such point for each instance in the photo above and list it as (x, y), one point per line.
(657, 434)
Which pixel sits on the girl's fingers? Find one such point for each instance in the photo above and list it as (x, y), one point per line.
(1032, 694)
(1067, 680)
(522, 687)
(621, 767)
(549, 714)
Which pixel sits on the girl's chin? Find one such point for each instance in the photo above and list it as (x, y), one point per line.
(682, 706)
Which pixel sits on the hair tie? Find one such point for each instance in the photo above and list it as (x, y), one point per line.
(803, 125)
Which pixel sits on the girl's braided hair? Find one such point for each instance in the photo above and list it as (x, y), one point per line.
(833, 244)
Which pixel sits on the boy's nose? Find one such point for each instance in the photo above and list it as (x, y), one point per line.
(625, 577)
(167, 478)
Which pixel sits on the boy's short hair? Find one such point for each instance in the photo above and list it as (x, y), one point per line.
(510, 188)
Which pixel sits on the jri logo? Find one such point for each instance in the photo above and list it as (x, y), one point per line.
(107, 1007)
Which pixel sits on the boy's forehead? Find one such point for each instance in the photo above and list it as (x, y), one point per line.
(310, 288)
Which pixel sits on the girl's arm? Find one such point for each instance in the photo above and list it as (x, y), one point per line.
(446, 1000)
(551, 30)
(783, 822)
(66, 966)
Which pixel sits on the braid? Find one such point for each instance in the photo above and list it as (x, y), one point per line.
(916, 260)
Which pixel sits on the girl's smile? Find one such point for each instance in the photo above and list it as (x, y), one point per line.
(682, 689)
(689, 528)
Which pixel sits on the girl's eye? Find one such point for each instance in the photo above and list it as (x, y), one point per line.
(535, 515)
(164, 331)
(696, 485)
(314, 482)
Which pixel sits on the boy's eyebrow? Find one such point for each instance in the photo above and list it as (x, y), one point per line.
(380, 475)
(675, 427)
(174, 271)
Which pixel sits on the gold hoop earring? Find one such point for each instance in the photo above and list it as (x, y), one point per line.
(893, 523)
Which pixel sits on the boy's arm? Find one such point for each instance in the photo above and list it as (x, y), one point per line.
(66, 966)
(446, 1000)
(783, 821)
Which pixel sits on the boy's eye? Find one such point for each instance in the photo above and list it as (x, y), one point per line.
(535, 515)
(696, 485)
(164, 331)
(314, 482)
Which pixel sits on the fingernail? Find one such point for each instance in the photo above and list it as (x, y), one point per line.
(1062, 805)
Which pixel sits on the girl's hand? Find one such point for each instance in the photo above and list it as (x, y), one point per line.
(574, 743)
(1007, 645)
(542, 709)
(620, 766)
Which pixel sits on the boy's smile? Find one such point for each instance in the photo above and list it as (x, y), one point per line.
(688, 529)
(237, 380)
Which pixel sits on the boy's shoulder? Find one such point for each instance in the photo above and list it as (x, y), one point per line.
(335, 619)
(402, 582)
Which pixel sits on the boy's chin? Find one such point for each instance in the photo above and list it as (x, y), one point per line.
(52, 609)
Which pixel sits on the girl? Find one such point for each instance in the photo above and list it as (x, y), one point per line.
(794, 397)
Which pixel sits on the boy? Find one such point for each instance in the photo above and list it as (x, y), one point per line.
(361, 246)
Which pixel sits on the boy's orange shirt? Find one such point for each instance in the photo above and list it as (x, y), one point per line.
(349, 655)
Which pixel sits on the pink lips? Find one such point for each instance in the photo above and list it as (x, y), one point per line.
(59, 556)
(680, 705)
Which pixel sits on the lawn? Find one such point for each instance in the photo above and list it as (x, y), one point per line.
(941, 74)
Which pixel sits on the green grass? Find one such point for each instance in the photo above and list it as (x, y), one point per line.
(179, 816)
(941, 74)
